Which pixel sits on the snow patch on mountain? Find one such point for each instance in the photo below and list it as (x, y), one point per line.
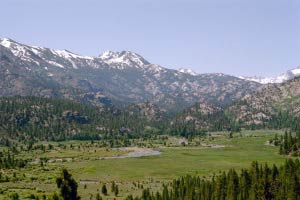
(56, 64)
(296, 71)
(290, 74)
(5, 42)
(69, 55)
(19, 50)
(188, 71)
(123, 58)
(107, 55)
(37, 50)
(16, 48)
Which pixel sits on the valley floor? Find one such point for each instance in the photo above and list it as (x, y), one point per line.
(211, 155)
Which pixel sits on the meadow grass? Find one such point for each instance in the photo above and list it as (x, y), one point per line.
(152, 171)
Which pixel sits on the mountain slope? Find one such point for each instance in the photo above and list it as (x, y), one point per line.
(272, 106)
(271, 102)
(198, 119)
(27, 119)
(112, 77)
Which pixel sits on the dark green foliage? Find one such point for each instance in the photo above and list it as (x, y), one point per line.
(98, 197)
(30, 119)
(14, 196)
(55, 196)
(33, 119)
(201, 118)
(113, 186)
(68, 186)
(116, 190)
(104, 190)
(258, 182)
(289, 144)
(8, 161)
(279, 120)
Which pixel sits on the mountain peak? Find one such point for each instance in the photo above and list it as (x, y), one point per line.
(7, 42)
(123, 57)
(108, 54)
(188, 71)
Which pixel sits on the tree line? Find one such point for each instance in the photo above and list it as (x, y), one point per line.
(257, 182)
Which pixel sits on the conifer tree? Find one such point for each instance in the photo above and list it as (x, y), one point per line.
(104, 190)
(67, 185)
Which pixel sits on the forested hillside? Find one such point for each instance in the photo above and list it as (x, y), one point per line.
(199, 119)
(28, 119)
(275, 106)
(33, 118)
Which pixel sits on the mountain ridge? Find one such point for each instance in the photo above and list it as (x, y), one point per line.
(134, 59)
(124, 76)
(290, 74)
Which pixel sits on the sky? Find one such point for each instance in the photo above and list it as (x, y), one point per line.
(238, 37)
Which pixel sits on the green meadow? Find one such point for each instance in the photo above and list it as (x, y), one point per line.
(133, 174)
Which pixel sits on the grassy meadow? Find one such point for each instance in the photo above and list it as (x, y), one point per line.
(133, 174)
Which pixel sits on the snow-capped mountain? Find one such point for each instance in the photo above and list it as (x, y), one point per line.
(120, 77)
(290, 74)
(125, 58)
(67, 59)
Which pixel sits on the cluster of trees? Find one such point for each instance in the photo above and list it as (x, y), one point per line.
(200, 124)
(8, 161)
(114, 188)
(284, 119)
(68, 188)
(258, 182)
(289, 143)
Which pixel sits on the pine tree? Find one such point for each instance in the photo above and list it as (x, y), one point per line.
(116, 190)
(104, 190)
(113, 185)
(98, 197)
(68, 186)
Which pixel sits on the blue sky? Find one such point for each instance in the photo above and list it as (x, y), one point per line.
(239, 37)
